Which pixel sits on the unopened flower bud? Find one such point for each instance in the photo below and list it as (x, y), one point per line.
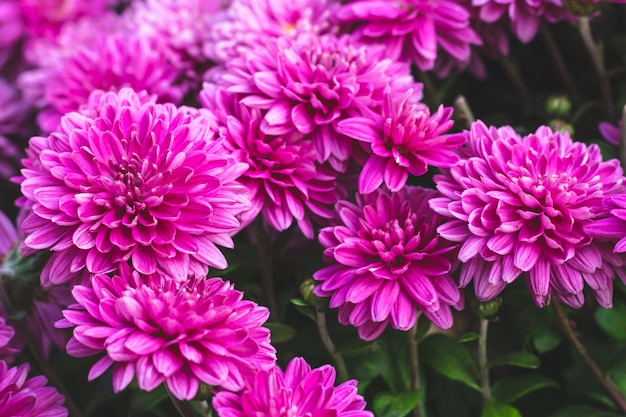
(560, 125)
(306, 289)
(558, 106)
(487, 308)
(582, 7)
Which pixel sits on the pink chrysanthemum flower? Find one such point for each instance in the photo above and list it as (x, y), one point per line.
(611, 133)
(414, 30)
(284, 178)
(234, 33)
(160, 330)
(45, 18)
(388, 262)
(139, 63)
(182, 26)
(309, 84)
(519, 205)
(525, 15)
(28, 397)
(404, 140)
(612, 224)
(139, 182)
(11, 24)
(299, 391)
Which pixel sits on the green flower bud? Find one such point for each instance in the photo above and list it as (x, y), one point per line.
(558, 106)
(487, 308)
(306, 289)
(559, 125)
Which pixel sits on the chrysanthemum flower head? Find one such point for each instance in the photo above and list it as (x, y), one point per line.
(285, 180)
(388, 262)
(611, 133)
(519, 205)
(298, 391)
(162, 330)
(133, 181)
(140, 63)
(310, 83)
(405, 139)
(525, 16)
(181, 25)
(414, 30)
(28, 397)
(233, 33)
(45, 18)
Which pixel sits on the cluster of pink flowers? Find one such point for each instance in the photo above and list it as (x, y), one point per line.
(166, 127)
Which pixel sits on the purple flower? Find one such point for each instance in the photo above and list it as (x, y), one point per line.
(161, 330)
(139, 182)
(611, 226)
(414, 30)
(404, 140)
(519, 205)
(299, 391)
(525, 15)
(309, 84)
(45, 18)
(9, 346)
(388, 262)
(181, 25)
(28, 397)
(136, 62)
(284, 178)
(611, 133)
(233, 33)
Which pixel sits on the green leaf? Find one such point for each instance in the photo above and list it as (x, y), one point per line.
(583, 411)
(520, 359)
(509, 390)
(448, 357)
(468, 337)
(613, 321)
(299, 302)
(395, 405)
(493, 410)
(545, 339)
(280, 332)
(618, 375)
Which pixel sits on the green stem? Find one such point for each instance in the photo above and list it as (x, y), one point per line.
(622, 139)
(482, 361)
(265, 263)
(418, 411)
(429, 89)
(464, 111)
(570, 334)
(182, 407)
(31, 344)
(561, 66)
(320, 319)
(598, 63)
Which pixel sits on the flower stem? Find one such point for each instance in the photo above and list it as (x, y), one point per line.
(464, 111)
(429, 89)
(596, 59)
(48, 371)
(517, 80)
(622, 139)
(561, 66)
(569, 332)
(181, 406)
(320, 319)
(265, 263)
(482, 360)
(418, 411)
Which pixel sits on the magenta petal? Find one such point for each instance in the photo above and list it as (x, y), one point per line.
(372, 174)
